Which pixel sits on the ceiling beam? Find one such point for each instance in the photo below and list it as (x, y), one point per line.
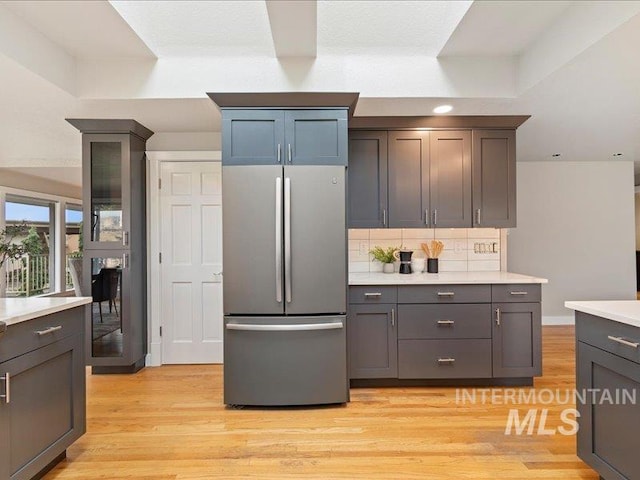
(294, 27)
(31, 49)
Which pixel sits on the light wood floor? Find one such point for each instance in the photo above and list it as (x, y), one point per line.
(169, 423)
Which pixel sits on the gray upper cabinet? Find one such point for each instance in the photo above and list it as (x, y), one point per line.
(450, 178)
(494, 178)
(287, 137)
(367, 179)
(408, 179)
(252, 137)
(316, 137)
(106, 176)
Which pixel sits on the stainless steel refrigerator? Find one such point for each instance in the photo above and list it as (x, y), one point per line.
(285, 286)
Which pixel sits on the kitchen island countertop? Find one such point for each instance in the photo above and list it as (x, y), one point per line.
(17, 310)
(379, 278)
(622, 311)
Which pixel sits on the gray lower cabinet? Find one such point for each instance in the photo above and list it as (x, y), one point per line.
(517, 340)
(444, 332)
(373, 341)
(607, 372)
(286, 137)
(42, 411)
(367, 179)
(494, 178)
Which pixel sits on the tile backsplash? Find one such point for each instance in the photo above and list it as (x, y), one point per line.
(465, 249)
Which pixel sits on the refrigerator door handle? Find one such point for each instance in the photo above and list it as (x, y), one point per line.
(285, 328)
(278, 239)
(287, 238)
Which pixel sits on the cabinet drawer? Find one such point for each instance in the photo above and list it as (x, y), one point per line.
(444, 294)
(444, 321)
(444, 359)
(373, 294)
(39, 332)
(521, 292)
(597, 331)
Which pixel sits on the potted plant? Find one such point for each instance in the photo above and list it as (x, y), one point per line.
(385, 256)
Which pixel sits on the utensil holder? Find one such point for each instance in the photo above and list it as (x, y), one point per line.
(432, 265)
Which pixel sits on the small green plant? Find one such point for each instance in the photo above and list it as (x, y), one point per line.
(384, 255)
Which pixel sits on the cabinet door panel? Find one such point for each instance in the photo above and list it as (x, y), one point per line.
(367, 179)
(450, 178)
(316, 137)
(494, 178)
(46, 412)
(408, 179)
(517, 340)
(607, 437)
(252, 137)
(107, 192)
(372, 341)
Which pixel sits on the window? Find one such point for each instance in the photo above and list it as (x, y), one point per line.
(34, 273)
(73, 240)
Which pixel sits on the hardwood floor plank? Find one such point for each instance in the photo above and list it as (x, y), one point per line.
(169, 423)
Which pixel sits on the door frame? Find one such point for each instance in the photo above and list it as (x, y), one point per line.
(154, 280)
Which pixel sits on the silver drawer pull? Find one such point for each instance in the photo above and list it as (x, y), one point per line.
(301, 327)
(7, 388)
(519, 293)
(446, 322)
(446, 294)
(49, 330)
(624, 342)
(446, 361)
(373, 294)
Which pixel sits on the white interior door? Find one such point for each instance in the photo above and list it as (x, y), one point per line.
(191, 248)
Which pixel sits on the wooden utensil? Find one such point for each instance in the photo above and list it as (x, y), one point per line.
(425, 248)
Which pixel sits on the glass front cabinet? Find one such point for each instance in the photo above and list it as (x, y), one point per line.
(114, 242)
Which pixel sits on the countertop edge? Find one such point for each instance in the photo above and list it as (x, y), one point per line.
(31, 313)
(598, 308)
(453, 278)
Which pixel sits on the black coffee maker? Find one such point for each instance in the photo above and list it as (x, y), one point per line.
(405, 260)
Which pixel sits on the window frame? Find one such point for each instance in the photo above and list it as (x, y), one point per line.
(58, 210)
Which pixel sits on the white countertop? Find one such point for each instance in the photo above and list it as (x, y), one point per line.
(623, 311)
(378, 278)
(16, 310)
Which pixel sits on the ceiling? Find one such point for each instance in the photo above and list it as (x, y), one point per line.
(569, 64)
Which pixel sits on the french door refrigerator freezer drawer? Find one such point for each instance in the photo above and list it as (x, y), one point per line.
(281, 361)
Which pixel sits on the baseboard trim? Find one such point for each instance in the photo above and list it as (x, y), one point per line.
(559, 320)
(154, 357)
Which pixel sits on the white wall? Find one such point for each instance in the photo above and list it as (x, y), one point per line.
(576, 227)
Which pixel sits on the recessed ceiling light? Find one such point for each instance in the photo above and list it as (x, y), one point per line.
(443, 109)
(555, 154)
